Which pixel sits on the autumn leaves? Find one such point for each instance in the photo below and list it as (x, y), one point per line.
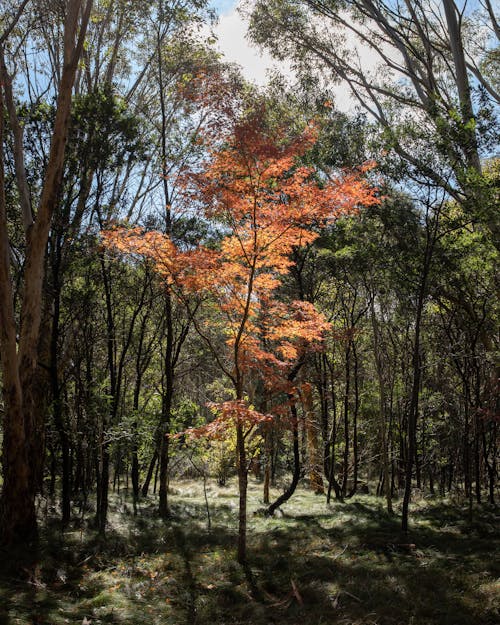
(266, 204)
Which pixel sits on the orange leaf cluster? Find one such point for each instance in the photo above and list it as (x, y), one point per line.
(229, 414)
(267, 206)
(287, 330)
(190, 270)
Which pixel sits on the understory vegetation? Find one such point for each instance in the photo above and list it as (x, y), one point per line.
(346, 563)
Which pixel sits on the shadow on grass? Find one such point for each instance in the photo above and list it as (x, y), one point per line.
(348, 564)
(365, 566)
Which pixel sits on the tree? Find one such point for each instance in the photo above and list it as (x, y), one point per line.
(108, 169)
(433, 99)
(19, 360)
(266, 204)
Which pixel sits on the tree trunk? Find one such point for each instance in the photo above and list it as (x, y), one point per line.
(242, 488)
(17, 509)
(355, 412)
(332, 481)
(268, 444)
(382, 407)
(21, 425)
(312, 432)
(296, 464)
(416, 364)
(56, 387)
(168, 392)
(149, 474)
(345, 467)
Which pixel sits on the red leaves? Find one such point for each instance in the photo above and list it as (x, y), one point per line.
(287, 330)
(229, 413)
(190, 270)
(267, 205)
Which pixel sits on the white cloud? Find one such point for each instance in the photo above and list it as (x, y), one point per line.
(231, 34)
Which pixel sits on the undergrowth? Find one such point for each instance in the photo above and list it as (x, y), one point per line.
(313, 564)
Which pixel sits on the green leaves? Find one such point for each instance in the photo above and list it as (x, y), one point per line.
(104, 132)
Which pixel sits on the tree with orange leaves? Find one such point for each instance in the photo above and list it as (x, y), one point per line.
(267, 204)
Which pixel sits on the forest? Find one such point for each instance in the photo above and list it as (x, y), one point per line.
(249, 334)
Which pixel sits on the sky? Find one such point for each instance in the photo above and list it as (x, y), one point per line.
(231, 31)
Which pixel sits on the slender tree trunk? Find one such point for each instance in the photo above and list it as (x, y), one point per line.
(313, 448)
(268, 445)
(168, 392)
(108, 417)
(296, 464)
(242, 488)
(490, 466)
(416, 364)
(134, 471)
(155, 483)
(478, 428)
(382, 407)
(332, 481)
(355, 412)
(323, 398)
(149, 474)
(347, 392)
(140, 367)
(102, 509)
(55, 385)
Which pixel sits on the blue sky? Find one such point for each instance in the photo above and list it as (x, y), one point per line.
(223, 6)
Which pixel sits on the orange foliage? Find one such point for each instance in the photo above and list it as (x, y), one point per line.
(229, 414)
(267, 205)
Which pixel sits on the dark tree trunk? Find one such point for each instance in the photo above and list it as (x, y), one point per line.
(269, 451)
(149, 474)
(296, 465)
(55, 384)
(332, 481)
(347, 392)
(242, 488)
(102, 507)
(168, 392)
(416, 365)
(355, 413)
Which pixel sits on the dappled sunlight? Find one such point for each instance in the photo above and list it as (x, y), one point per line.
(313, 563)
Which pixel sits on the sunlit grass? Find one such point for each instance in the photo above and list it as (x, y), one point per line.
(339, 564)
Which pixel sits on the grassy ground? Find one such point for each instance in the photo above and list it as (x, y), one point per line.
(318, 565)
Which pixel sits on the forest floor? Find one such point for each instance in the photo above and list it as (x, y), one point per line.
(313, 565)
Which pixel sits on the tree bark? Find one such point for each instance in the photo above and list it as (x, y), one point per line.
(383, 407)
(431, 234)
(149, 474)
(21, 425)
(312, 432)
(296, 464)
(242, 488)
(17, 509)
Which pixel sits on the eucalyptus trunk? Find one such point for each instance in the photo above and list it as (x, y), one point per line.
(19, 363)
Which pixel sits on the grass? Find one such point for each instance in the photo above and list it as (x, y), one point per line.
(344, 564)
